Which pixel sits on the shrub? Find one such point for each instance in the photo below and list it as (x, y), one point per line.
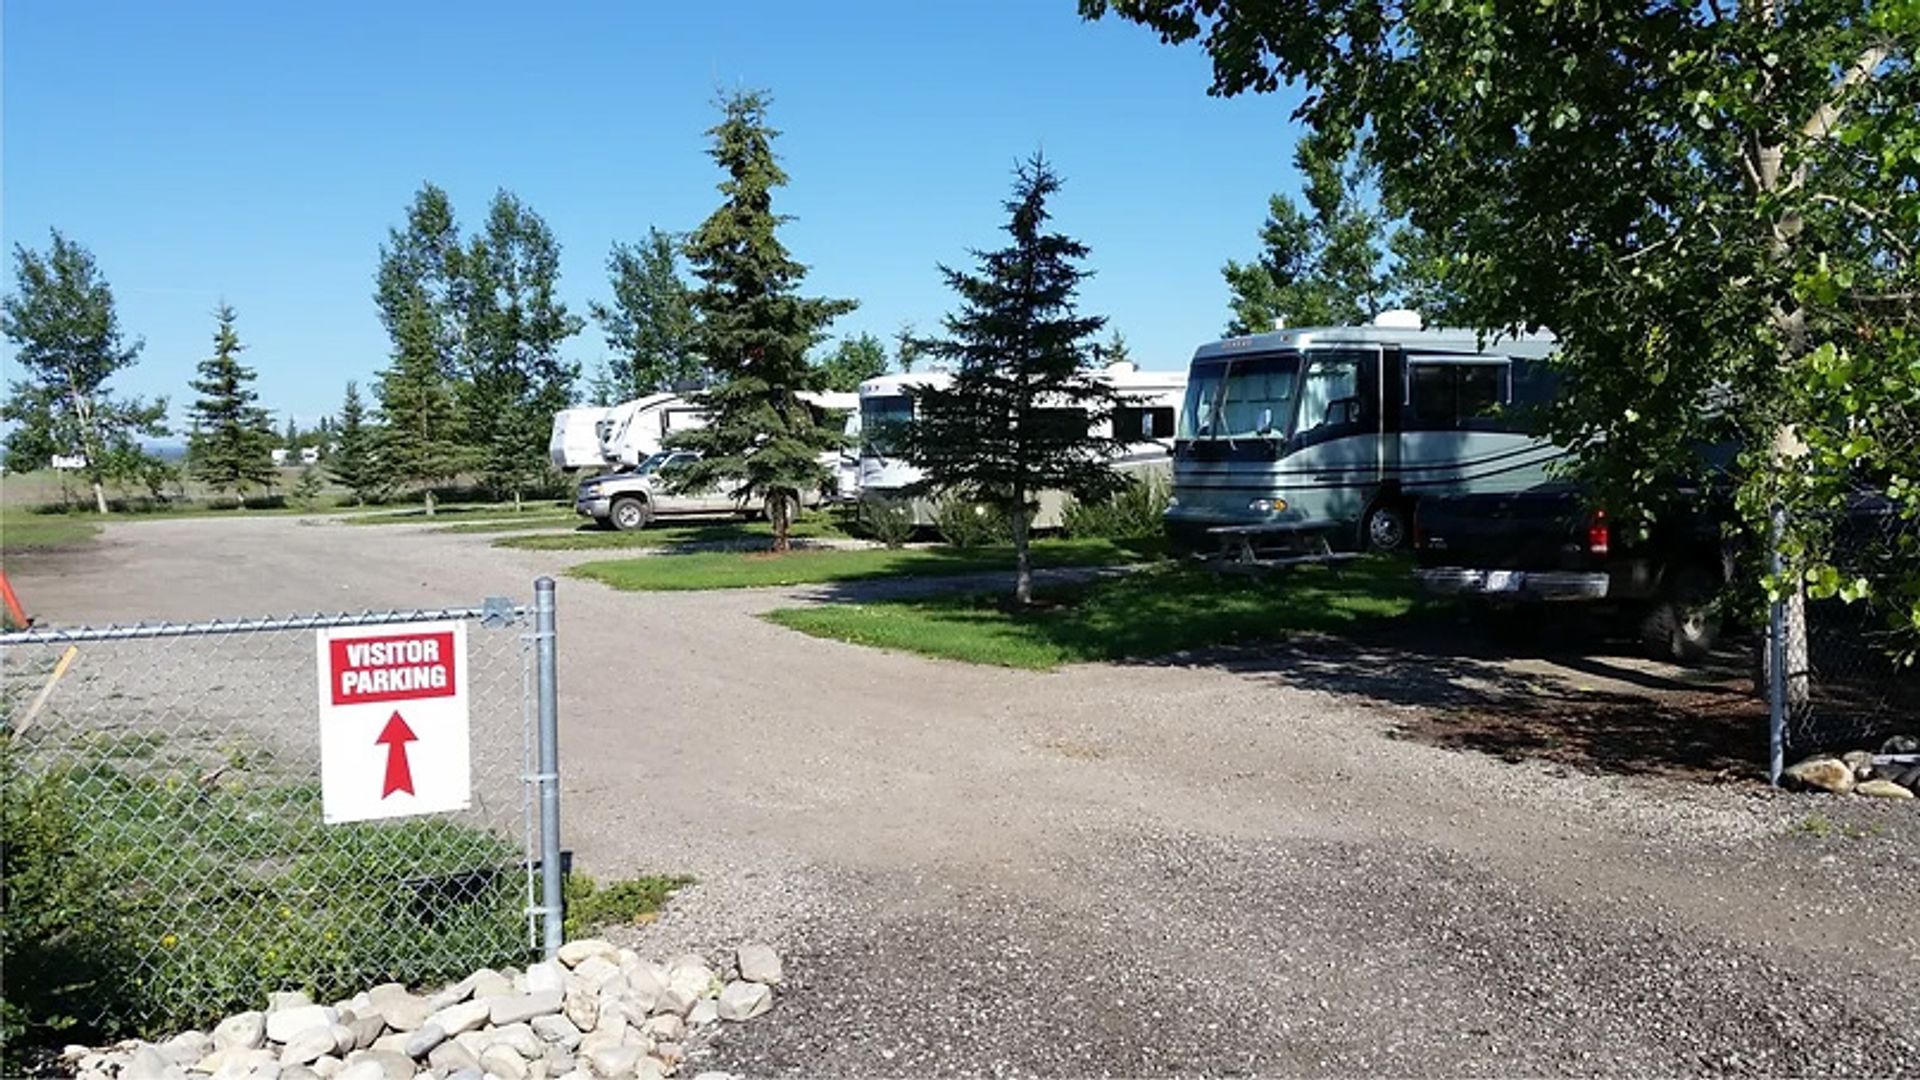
(1137, 510)
(965, 524)
(590, 906)
(890, 521)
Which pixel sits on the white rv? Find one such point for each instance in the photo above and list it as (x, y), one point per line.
(575, 443)
(636, 430)
(1144, 422)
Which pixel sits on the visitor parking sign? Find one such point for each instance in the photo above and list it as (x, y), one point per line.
(394, 724)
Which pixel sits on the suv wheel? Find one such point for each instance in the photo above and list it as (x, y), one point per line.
(1385, 528)
(630, 513)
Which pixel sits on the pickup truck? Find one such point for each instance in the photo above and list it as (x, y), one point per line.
(630, 499)
(1513, 553)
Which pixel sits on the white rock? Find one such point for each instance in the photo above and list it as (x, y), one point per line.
(287, 999)
(504, 1062)
(676, 1000)
(575, 951)
(595, 972)
(366, 1070)
(705, 1011)
(365, 1029)
(612, 1061)
(327, 1067)
(490, 983)
(650, 1069)
(583, 1010)
(474, 1041)
(696, 978)
(148, 1063)
(404, 1012)
(743, 1000)
(451, 1057)
(298, 1072)
(759, 963)
(284, 1024)
(645, 984)
(343, 1039)
(186, 1047)
(713, 1074)
(465, 1016)
(308, 1046)
(422, 1042)
(514, 1008)
(392, 1043)
(241, 1031)
(666, 1027)
(521, 1039)
(557, 1030)
(392, 1065)
(546, 975)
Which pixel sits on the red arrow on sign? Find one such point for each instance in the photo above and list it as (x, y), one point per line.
(395, 736)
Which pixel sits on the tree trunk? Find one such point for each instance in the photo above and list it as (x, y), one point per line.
(1022, 558)
(99, 495)
(780, 515)
(429, 502)
(516, 500)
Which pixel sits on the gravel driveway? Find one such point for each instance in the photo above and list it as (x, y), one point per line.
(1202, 868)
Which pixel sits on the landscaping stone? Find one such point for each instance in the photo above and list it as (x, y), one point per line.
(557, 1030)
(513, 1009)
(148, 1063)
(759, 963)
(1822, 772)
(490, 983)
(186, 1048)
(676, 1000)
(612, 1061)
(504, 1062)
(308, 1046)
(394, 1042)
(465, 1016)
(705, 1011)
(522, 1040)
(666, 1027)
(650, 1069)
(244, 1031)
(284, 1024)
(365, 1029)
(1882, 789)
(546, 975)
(281, 1000)
(425, 1040)
(342, 1039)
(476, 1042)
(691, 974)
(575, 951)
(298, 1072)
(743, 1000)
(595, 972)
(392, 1066)
(369, 1070)
(327, 1067)
(451, 1057)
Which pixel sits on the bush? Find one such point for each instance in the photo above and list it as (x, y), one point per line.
(63, 931)
(890, 521)
(965, 524)
(590, 906)
(1135, 511)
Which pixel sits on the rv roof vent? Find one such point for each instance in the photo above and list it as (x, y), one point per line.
(1398, 319)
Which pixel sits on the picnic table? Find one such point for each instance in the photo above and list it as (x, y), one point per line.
(1271, 545)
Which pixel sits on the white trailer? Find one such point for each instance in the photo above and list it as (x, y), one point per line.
(575, 443)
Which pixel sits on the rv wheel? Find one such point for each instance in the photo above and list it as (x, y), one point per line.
(630, 513)
(1385, 528)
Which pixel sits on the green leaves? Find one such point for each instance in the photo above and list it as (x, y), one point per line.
(231, 445)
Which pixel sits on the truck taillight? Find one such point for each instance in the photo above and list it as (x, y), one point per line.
(1599, 537)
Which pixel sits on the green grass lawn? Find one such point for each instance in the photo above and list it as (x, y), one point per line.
(711, 531)
(23, 531)
(748, 570)
(532, 511)
(1149, 613)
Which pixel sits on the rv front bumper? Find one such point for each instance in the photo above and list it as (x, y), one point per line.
(1514, 584)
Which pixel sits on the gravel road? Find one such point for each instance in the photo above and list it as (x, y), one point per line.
(1200, 868)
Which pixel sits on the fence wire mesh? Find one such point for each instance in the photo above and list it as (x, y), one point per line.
(174, 772)
(1853, 681)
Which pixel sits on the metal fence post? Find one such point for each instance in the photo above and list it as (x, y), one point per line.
(1776, 655)
(548, 773)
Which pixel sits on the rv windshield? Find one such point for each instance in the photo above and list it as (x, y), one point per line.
(877, 414)
(1229, 399)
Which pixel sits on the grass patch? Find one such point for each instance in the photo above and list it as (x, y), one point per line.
(591, 907)
(1145, 614)
(748, 570)
(540, 519)
(588, 538)
(460, 512)
(26, 531)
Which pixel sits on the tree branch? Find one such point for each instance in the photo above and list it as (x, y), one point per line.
(1821, 123)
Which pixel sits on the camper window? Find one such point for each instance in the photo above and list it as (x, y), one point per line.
(1225, 400)
(1135, 423)
(1455, 394)
(1330, 393)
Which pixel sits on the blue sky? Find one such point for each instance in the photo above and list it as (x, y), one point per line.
(258, 153)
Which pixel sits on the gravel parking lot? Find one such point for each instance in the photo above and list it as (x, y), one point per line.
(1235, 867)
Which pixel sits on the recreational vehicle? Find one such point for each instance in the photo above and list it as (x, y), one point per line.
(1344, 428)
(636, 430)
(575, 443)
(1144, 422)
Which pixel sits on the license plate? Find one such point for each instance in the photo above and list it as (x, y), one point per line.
(1503, 581)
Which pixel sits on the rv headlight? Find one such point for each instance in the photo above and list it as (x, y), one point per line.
(1267, 506)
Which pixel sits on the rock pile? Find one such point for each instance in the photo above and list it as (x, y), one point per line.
(1893, 773)
(597, 1013)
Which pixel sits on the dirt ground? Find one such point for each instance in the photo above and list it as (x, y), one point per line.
(1408, 856)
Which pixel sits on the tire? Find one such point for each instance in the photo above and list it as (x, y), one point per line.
(630, 513)
(1683, 626)
(1385, 528)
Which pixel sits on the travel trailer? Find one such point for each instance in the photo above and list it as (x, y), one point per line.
(1144, 423)
(575, 443)
(1346, 427)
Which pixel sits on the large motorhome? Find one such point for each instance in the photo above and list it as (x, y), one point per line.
(1346, 427)
(1144, 423)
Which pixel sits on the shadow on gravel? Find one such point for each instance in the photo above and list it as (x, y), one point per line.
(1569, 696)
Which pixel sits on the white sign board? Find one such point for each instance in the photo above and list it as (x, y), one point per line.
(393, 721)
(69, 462)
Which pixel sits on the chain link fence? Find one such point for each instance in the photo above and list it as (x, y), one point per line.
(171, 860)
(1850, 680)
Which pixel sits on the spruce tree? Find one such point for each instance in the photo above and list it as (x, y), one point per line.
(1021, 414)
(351, 462)
(421, 440)
(754, 333)
(231, 446)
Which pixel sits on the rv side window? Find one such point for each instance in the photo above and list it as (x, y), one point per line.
(1064, 422)
(1134, 423)
(1457, 395)
(1330, 393)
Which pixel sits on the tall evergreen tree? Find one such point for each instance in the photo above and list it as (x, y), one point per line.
(291, 438)
(853, 361)
(650, 324)
(1021, 414)
(351, 461)
(906, 346)
(67, 343)
(422, 439)
(230, 448)
(754, 333)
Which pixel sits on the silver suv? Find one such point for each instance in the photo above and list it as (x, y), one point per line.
(631, 500)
